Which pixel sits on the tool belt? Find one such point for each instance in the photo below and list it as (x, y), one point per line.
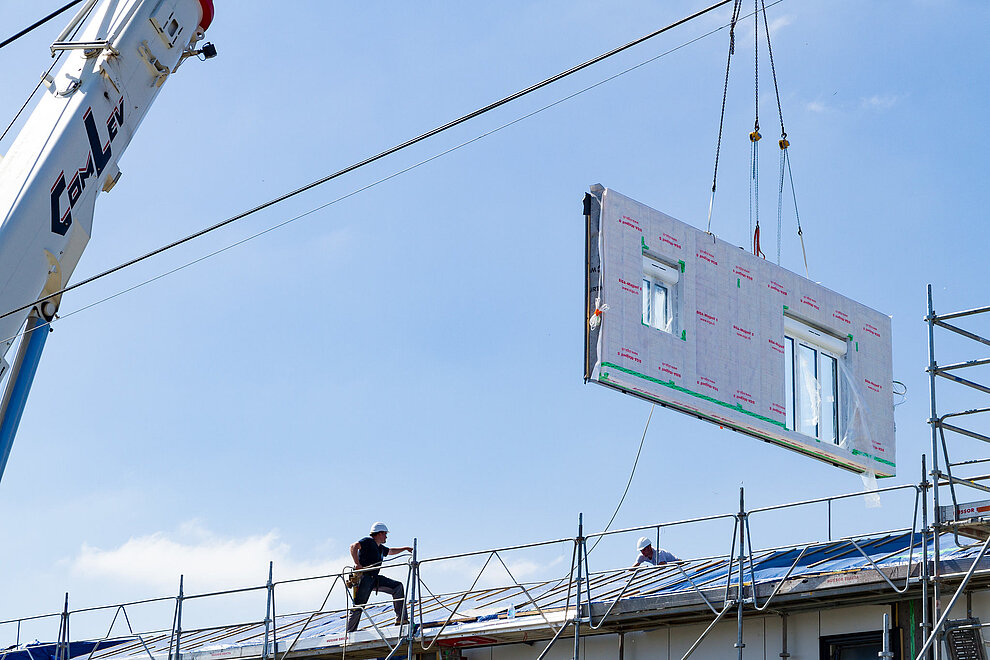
(353, 579)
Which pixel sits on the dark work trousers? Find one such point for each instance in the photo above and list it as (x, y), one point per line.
(378, 583)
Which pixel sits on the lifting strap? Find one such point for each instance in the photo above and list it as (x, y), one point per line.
(736, 7)
(755, 136)
(785, 160)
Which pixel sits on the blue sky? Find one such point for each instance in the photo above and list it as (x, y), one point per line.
(413, 353)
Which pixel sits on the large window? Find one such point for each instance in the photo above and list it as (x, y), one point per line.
(659, 295)
(812, 381)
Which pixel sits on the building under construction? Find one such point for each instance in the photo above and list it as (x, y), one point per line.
(918, 591)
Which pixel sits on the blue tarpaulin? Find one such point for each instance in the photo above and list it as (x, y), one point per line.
(49, 650)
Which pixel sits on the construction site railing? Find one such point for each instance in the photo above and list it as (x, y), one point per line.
(279, 634)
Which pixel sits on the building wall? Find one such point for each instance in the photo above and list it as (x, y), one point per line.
(762, 636)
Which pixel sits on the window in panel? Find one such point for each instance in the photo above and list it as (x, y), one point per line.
(659, 294)
(813, 392)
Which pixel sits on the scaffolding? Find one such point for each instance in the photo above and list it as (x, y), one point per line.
(581, 602)
(917, 559)
(970, 520)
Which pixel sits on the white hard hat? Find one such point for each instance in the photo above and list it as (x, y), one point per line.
(378, 527)
(644, 542)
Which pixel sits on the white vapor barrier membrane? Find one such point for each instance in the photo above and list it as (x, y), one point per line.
(679, 317)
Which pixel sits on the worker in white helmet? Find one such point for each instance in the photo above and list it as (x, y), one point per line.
(368, 553)
(650, 555)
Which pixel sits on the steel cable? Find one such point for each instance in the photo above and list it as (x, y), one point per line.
(323, 206)
(50, 69)
(725, 92)
(380, 155)
(39, 23)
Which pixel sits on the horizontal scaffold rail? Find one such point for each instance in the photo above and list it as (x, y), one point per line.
(880, 565)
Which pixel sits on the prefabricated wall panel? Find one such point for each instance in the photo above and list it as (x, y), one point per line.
(722, 357)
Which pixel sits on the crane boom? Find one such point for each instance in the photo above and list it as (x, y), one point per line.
(67, 153)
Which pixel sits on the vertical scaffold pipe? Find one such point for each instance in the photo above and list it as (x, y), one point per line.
(739, 590)
(925, 624)
(886, 653)
(268, 611)
(411, 597)
(579, 541)
(933, 421)
(783, 636)
(933, 641)
(178, 621)
(62, 650)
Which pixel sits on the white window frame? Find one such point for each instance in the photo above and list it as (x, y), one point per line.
(657, 276)
(804, 386)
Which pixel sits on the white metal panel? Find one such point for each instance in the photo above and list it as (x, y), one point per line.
(71, 144)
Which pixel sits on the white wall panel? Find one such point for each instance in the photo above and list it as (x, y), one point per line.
(724, 358)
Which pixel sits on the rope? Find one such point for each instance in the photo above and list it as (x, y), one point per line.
(751, 176)
(754, 137)
(780, 202)
(754, 188)
(784, 157)
(736, 7)
(629, 481)
(787, 160)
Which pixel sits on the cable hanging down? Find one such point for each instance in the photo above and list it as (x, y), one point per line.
(754, 139)
(632, 473)
(736, 7)
(783, 143)
(760, 7)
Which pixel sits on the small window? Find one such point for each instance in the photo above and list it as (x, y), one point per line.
(659, 294)
(811, 380)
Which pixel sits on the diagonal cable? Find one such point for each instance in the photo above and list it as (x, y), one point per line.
(378, 156)
(39, 23)
(359, 190)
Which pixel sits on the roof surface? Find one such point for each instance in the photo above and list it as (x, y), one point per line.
(493, 615)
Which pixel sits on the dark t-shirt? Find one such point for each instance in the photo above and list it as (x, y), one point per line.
(371, 554)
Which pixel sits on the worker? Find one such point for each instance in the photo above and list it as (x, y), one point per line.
(650, 555)
(368, 553)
